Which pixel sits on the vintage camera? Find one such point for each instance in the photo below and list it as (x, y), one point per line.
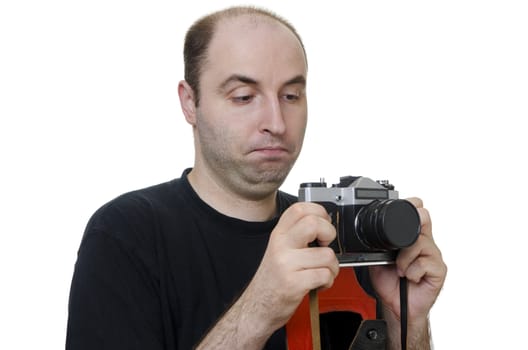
(372, 224)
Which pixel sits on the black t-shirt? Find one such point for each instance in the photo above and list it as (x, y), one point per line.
(157, 268)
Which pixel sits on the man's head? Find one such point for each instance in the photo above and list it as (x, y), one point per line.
(245, 98)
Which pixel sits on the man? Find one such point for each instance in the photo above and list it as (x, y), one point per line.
(219, 259)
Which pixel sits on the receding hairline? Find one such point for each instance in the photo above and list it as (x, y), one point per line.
(254, 14)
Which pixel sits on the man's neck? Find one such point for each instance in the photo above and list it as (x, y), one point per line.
(230, 203)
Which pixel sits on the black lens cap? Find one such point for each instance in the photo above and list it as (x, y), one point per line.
(400, 223)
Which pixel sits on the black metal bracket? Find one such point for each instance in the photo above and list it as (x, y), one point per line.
(371, 335)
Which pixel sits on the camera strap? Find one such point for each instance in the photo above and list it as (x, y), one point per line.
(403, 312)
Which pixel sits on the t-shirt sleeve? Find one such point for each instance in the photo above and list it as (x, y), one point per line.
(114, 302)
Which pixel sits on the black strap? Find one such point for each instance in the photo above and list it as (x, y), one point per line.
(403, 312)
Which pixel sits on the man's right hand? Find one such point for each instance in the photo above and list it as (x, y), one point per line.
(287, 272)
(289, 268)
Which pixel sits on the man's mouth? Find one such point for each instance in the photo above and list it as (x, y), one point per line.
(271, 151)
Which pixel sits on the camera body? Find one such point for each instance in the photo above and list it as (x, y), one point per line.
(372, 224)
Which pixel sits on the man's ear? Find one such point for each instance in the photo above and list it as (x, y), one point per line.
(186, 94)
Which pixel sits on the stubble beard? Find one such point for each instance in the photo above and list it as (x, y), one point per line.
(241, 174)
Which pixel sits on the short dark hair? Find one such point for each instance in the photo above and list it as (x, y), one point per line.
(199, 36)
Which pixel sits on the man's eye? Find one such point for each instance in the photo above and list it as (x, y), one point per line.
(291, 97)
(242, 99)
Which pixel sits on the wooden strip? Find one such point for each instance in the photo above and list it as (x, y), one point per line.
(314, 320)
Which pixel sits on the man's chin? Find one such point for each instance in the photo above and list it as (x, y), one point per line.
(266, 181)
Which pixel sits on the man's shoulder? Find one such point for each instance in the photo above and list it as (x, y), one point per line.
(137, 210)
(152, 197)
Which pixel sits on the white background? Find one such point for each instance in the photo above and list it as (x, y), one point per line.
(430, 95)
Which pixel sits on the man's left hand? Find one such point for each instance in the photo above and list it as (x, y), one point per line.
(422, 265)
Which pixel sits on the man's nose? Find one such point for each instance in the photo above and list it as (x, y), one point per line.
(272, 118)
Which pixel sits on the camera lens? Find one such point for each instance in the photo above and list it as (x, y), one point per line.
(388, 225)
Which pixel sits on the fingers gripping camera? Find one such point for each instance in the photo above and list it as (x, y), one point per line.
(372, 224)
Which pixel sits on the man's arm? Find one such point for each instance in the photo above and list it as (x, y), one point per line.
(418, 333)
(243, 326)
(289, 269)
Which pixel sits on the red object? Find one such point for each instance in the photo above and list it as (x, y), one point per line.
(345, 295)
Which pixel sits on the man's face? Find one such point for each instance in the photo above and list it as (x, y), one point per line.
(252, 114)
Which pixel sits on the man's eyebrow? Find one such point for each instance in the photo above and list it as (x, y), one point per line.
(299, 79)
(237, 78)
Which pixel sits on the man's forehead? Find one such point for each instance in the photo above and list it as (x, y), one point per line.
(253, 49)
